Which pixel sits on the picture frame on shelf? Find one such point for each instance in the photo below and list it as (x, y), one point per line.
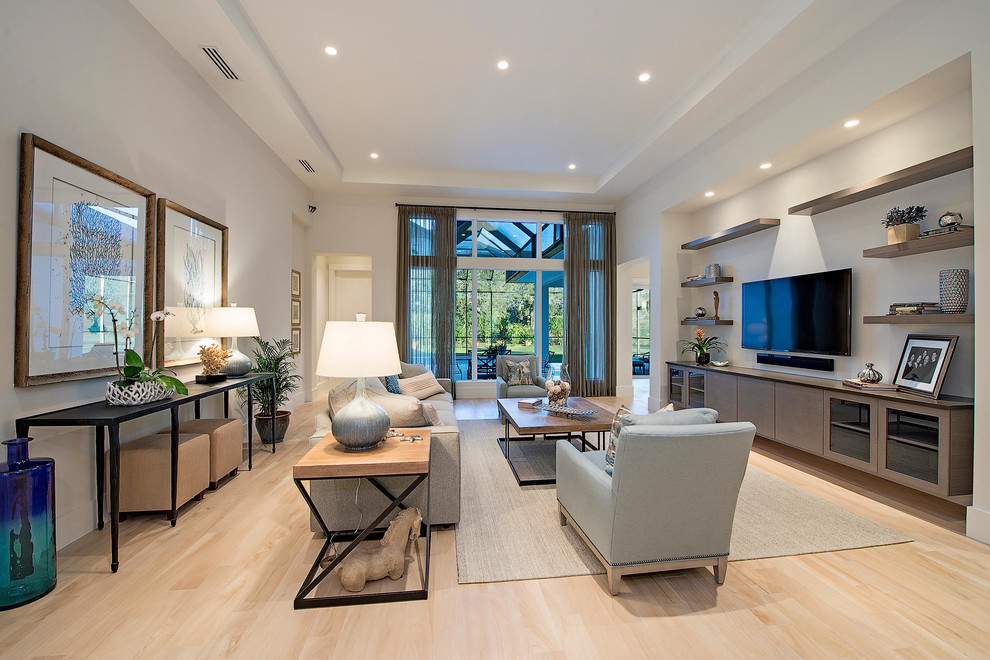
(295, 284)
(924, 363)
(192, 279)
(81, 231)
(295, 338)
(295, 312)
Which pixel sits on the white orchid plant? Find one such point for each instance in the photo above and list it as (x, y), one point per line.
(134, 369)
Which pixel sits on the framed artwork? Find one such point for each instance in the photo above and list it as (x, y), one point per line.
(192, 280)
(296, 284)
(82, 231)
(295, 337)
(924, 361)
(296, 312)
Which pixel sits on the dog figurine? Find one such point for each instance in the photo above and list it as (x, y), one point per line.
(363, 566)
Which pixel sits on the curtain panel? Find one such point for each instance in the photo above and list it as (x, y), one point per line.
(590, 297)
(426, 285)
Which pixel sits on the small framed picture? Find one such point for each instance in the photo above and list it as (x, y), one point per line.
(295, 337)
(923, 364)
(296, 312)
(296, 284)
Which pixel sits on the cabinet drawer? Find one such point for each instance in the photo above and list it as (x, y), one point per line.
(799, 414)
(720, 394)
(754, 403)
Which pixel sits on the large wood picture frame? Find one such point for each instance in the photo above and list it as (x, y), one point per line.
(81, 231)
(191, 279)
(923, 364)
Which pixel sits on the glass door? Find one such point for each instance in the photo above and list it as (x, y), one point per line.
(850, 430)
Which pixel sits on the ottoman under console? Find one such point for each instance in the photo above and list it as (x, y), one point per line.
(226, 453)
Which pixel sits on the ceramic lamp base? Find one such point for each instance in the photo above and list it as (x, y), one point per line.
(362, 423)
(238, 364)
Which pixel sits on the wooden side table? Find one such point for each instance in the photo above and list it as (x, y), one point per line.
(394, 457)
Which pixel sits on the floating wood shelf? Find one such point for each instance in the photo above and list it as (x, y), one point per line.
(708, 281)
(957, 161)
(921, 319)
(921, 245)
(745, 229)
(705, 322)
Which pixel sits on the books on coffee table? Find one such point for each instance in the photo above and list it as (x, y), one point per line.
(529, 404)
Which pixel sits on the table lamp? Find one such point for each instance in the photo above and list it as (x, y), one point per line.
(361, 349)
(234, 322)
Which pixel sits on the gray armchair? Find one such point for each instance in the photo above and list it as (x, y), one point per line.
(669, 503)
(506, 391)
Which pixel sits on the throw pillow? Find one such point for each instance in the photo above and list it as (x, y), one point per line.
(622, 417)
(409, 370)
(422, 387)
(677, 417)
(392, 384)
(431, 414)
(519, 373)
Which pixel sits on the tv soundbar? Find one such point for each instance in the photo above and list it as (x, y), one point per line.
(796, 361)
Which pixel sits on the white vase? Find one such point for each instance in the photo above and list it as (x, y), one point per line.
(136, 394)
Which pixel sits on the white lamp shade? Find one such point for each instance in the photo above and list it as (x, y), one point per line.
(233, 322)
(356, 348)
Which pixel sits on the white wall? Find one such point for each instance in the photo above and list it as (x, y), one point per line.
(862, 71)
(96, 79)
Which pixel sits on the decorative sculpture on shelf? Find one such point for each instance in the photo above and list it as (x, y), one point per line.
(214, 359)
(362, 566)
(715, 293)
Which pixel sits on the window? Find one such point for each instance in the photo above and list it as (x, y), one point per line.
(510, 292)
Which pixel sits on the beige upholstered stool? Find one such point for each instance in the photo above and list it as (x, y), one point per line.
(145, 472)
(226, 453)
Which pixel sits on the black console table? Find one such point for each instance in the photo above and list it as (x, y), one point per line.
(107, 419)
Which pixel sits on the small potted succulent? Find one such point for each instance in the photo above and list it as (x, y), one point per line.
(702, 346)
(903, 224)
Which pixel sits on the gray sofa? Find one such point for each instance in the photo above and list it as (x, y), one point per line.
(669, 503)
(336, 499)
(506, 391)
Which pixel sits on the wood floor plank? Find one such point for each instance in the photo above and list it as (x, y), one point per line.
(221, 583)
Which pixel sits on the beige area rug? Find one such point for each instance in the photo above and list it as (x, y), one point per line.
(512, 533)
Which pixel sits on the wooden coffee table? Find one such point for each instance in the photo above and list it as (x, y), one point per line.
(328, 459)
(533, 462)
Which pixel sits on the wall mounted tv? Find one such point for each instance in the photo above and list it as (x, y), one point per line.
(803, 314)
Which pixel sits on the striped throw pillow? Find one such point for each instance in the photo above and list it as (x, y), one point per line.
(422, 387)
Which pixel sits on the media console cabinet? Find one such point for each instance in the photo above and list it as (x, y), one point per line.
(925, 444)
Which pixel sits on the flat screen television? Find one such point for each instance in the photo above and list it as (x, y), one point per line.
(803, 314)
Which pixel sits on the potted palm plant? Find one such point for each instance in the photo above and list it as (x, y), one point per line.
(274, 357)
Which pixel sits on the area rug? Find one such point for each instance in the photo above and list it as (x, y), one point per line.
(512, 533)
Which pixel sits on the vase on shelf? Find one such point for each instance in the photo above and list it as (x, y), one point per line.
(703, 358)
(27, 526)
(903, 233)
(869, 374)
(560, 388)
(953, 290)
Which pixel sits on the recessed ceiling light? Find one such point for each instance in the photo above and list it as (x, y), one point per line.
(374, 155)
(572, 166)
(851, 123)
(766, 166)
(330, 50)
(643, 77)
(503, 65)
(710, 193)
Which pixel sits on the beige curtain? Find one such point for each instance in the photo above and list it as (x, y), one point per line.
(425, 287)
(589, 289)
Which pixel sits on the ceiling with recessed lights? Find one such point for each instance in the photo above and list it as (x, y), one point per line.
(594, 99)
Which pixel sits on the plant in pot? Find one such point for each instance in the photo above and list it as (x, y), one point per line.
(702, 346)
(274, 357)
(903, 224)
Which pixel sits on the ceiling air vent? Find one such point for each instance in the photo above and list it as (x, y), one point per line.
(307, 166)
(220, 63)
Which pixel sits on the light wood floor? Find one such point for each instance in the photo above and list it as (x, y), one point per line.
(221, 584)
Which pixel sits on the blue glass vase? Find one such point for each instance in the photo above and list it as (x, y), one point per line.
(27, 526)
